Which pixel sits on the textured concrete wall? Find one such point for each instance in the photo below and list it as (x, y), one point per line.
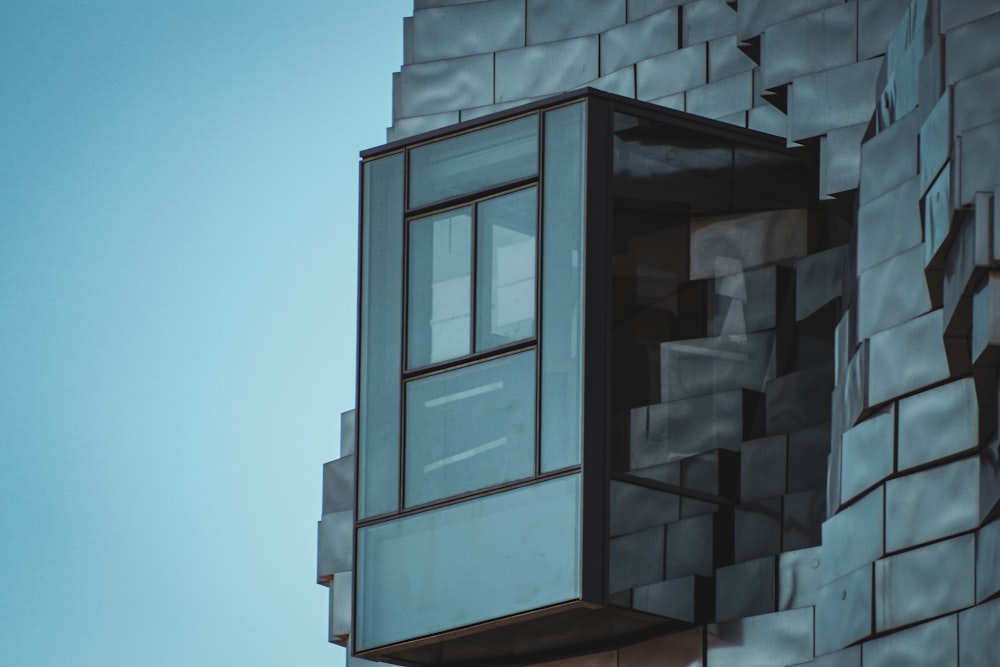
(903, 101)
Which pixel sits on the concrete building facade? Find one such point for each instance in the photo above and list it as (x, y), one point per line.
(781, 323)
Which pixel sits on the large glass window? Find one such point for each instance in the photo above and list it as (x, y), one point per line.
(470, 428)
(490, 244)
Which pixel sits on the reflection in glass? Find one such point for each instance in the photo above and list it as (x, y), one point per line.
(470, 428)
(440, 287)
(505, 269)
(474, 161)
(381, 327)
(479, 560)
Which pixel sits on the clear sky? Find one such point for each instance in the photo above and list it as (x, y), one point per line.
(178, 213)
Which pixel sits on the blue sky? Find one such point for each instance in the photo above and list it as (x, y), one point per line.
(178, 212)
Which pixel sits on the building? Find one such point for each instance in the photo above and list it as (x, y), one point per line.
(679, 333)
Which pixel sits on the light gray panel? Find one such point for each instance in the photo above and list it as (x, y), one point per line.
(877, 21)
(977, 100)
(986, 320)
(338, 485)
(746, 588)
(889, 158)
(640, 8)
(701, 366)
(635, 559)
(768, 119)
(810, 111)
(647, 37)
(703, 20)
(972, 48)
(798, 578)
(933, 644)
(853, 536)
(468, 29)
(479, 112)
(938, 212)
(937, 423)
(809, 43)
(988, 561)
(671, 73)
(621, 82)
(892, 292)
(408, 58)
(889, 224)
(725, 244)
(545, 69)
(849, 657)
(980, 169)
(756, 15)
(844, 610)
(348, 432)
(723, 97)
(957, 12)
(445, 85)
(978, 639)
(635, 508)
(818, 280)
(408, 127)
(781, 638)
(725, 59)
(840, 159)
(924, 583)
(931, 504)
(867, 453)
(335, 544)
(935, 141)
(907, 357)
(340, 604)
(552, 20)
(675, 101)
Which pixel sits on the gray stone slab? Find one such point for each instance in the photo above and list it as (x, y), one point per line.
(978, 639)
(762, 468)
(749, 301)
(754, 16)
(467, 29)
(977, 100)
(550, 20)
(639, 39)
(986, 320)
(925, 582)
(408, 127)
(726, 59)
(445, 85)
(726, 245)
(931, 504)
(671, 73)
(746, 589)
(933, 644)
(634, 508)
(889, 224)
(682, 599)
(338, 485)
(853, 536)
(701, 366)
(818, 280)
(621, 82)
(703, 20)
(341, 615)
(637, 9)
(840, 159)
(892, 292)
(691, 546)
(980, 170)
(848, 657)
(988, 561)
(907, 357)
(877, 22)
(810, 43)
(935, 141)
(938, 423)
(810, 112)
(348, 432)
(867, 453)
(802, 516)
(972, 48)
(798, 400)
(545, 69)
(635, 559)
(781, 638)
(798, 578)
(844, 610)
(723, 97)
(938, 211)
(768, 119)
(807, 453)
(956, 13)
(335, 544)
(889, 158)
(757, 529)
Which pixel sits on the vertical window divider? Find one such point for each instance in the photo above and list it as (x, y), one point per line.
(539, 241)
(404, 338)
(474, 280)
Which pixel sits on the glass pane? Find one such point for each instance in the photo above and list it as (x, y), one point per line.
(440, 289)
(505, 269)
(381, 328)
(470, 428)
(562, 286)
(473, 161)
(468, 563)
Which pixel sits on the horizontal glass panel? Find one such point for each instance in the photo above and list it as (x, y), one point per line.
(562, 286)
(474, 161)
(440, 287)
(476, 561)
(381, 328)
(470, 428)
(505, 269)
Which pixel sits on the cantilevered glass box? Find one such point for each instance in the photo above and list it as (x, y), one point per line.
(568, 315)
